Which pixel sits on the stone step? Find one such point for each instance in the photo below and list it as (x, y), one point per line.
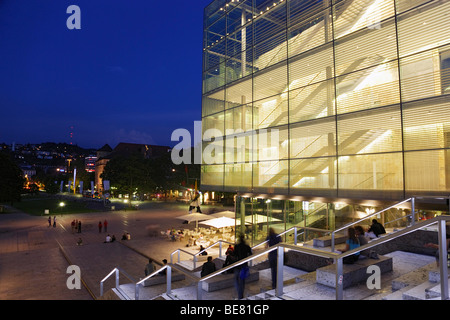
(417, 292)
(352, 273)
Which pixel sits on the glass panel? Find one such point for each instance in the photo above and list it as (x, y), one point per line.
(366, 48)
(313, 173)
(213, 12)
(404, 5)
(310, 32)
(271, 112)
(353, 15)
(213, 103)
(239, 93)
(300, 10)
(215, 121)
(427, 171)
(270, 176)
(214, 78)
(369, 88)
(239, 119)
(271, 144)
(383, 172)
(372, 131)
(270, 82)
(216, 33)
(238, 15)
(238, 177)
(313, 139)
(425, 74)
(312, 102)
(213, 151)
(311, 67)
(426, 125)
(270, 52)
(212, 175)
(424, 28)
(238, 147)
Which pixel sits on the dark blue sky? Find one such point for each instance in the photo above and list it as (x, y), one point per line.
(131, 74)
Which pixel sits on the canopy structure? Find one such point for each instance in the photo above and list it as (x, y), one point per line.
(221, 222)
(227, 214)
(196, 216)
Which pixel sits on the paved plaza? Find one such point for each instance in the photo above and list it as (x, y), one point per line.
(34, 256)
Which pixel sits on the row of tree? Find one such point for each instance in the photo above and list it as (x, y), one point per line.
(11, 180)
(128, 174)
(133, 174)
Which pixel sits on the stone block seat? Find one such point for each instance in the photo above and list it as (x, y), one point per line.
(352, 273)
(160, 279)
(325, 241)
(226, 280)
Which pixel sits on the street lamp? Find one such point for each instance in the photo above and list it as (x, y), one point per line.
(61, 205)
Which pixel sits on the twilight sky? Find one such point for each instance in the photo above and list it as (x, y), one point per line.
(132, 73)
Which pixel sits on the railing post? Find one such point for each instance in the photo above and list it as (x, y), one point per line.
(195, 261)
(295, 235)
(339, 279)
(136, 292)
(169, 280)
(413, 210)
(199, 291)
(117, 278)
(332, 241)
(280, 267)
(101, 288)
(179, 256)
(443, 266)
(220, 249)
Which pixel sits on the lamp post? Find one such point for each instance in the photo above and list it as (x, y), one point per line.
(61, 205)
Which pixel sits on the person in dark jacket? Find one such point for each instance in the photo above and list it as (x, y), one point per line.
(208, 267)
(377, 228)
(241, 251)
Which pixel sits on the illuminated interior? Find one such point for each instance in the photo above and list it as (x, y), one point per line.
(356, 91)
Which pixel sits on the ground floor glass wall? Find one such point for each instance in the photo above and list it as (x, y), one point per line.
(255, 216)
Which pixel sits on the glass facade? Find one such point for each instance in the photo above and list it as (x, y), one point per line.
(327, 98)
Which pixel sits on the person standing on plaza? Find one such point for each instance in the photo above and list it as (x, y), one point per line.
(54, 222)
(195, 203)
(79, 226)
(273, 239)
(241, 251)
(100, 227)
(73, 226)
(49, 221)
(105, 226)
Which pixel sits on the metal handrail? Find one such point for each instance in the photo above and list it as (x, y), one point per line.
(337, 257)
(369, 216)
(194, 255)
(116, 271)
(219, 242)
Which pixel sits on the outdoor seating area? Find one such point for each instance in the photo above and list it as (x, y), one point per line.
(200, 236)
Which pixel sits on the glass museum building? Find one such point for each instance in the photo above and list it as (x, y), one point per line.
(317, 112)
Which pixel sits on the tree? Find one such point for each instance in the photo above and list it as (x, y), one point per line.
(11, 180)
(129, 174)
(51, 187)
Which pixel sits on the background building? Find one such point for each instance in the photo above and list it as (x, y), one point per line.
(327, 108)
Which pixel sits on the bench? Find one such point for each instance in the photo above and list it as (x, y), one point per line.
(160, 279)
(352, 273)
(325, 241)
(226, 280)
